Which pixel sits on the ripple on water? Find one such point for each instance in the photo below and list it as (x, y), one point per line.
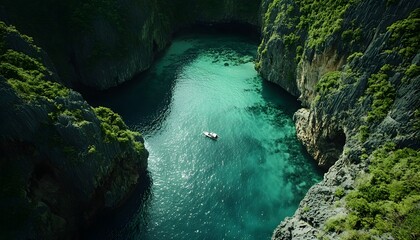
(238, 187)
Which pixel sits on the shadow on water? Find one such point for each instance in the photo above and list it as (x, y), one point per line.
(299, 166)
(133, 99)
(111, 222)
(276, 95)
(244, 30)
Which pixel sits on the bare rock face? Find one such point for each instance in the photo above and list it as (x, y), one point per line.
(276, 66)
(319, 204)
(309, 72)
(323, 138)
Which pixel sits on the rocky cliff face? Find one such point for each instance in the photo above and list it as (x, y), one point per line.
(355, 67)
(103, 44)
(61, 160)
(353, 64)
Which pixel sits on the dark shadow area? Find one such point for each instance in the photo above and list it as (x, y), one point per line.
(246, 30)
(111, 221)
(287, 102)
(332, 147)
(237, 28)
(338, 139)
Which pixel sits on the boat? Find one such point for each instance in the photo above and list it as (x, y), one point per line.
(211, 135)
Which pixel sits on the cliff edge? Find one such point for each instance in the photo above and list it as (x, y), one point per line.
(61, 160)
(355, 67)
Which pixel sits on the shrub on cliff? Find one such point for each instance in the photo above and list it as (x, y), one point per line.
(405, 36)
(329, 82)
(382, 92)
(114, 128)
(324, 18)
(387, 199)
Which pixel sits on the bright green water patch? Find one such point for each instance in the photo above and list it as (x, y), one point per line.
(238, 187)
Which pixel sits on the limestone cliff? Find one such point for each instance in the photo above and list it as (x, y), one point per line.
(353, 64)
(355, 67)
(101, 44)
(61, 160)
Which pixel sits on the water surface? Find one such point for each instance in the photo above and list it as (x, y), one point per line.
(238, 187)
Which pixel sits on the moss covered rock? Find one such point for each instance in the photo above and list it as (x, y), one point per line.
(59, 156)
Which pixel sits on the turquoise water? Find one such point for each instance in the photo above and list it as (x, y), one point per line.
(238, 187)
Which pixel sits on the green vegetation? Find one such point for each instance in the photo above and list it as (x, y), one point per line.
(314, 21)
(306, 208)
(352, 35)
(412, 71)
(354, 56)
(416, 119)
(335, 224)
(328, 83)
(299, 52)
(404, 41)
(339, 192)
(387, 199)
(25, 74)
(382, 92)
(405, 36)
(22, 71)
(92, 149)
(114, 129)
(290, 39)
(6, 30)
(322, 18)
(363, 133)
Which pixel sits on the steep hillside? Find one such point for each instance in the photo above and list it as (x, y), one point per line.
(61, 160)
(355, 67)
(104, 43)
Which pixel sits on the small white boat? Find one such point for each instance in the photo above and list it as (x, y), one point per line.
(211, 135)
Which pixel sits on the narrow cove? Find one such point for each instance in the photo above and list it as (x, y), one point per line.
(238, 187)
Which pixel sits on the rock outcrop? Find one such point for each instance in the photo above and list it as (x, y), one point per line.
(355, 67)
(61, 160)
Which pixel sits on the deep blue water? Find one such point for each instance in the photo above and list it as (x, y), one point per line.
(238, 187)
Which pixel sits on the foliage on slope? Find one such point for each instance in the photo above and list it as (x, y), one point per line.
(386, 199)
(27, 77)
(114, 128)
(49, 136)
(403, 45)
(313, 20)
